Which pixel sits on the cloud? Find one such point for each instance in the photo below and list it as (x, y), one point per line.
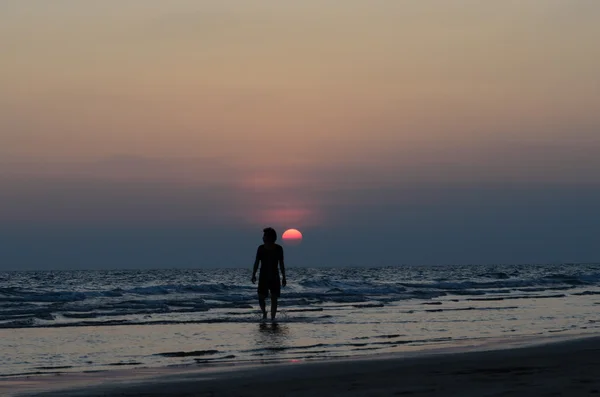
(72, 221)
(141, 190)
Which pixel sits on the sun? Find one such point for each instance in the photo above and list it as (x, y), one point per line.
(292, 237)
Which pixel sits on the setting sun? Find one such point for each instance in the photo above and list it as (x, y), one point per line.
(292, 237)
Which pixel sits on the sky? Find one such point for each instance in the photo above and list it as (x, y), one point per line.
(146, 133)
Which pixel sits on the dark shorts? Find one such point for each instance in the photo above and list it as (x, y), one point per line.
(272, 287)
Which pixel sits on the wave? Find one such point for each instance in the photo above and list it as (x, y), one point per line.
(119, 297)
(586, 293)
(123, 364)
(517, 297)
(550, 280)
(34, 323)
(310, 348)
(99, 320)
(188, 354)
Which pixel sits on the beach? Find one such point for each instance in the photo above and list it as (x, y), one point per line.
(452, 330)
(553, 368)
(88, 321)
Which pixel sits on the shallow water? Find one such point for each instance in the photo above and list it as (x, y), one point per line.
(97, 320)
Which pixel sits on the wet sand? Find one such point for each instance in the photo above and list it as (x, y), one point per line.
(570, 368)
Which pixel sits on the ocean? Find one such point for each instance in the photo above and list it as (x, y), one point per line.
(79, 321)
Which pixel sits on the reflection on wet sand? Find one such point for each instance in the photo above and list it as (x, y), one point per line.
(272, 337)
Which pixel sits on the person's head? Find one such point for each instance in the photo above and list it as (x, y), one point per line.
(269, 235)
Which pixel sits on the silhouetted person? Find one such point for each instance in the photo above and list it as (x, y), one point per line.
(270, 257)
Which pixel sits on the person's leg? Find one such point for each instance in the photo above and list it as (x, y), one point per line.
(273, 307)
(275, 289)
(263, 291)
(263, 305)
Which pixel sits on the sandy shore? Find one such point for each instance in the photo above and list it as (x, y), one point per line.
(569, 368)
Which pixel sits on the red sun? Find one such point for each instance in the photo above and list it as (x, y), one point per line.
(292, 237)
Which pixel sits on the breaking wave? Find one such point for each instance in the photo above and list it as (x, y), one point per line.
(80, 298)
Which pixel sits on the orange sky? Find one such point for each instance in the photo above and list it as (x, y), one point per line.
(159, 133)
(270, 81)
(283, 100)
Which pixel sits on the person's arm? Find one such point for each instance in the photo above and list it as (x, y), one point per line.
(255, 269)
(282, 267)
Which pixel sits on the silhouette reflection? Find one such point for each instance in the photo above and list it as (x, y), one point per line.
(272, 338)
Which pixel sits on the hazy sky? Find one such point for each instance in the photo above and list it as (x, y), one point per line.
(158, 133)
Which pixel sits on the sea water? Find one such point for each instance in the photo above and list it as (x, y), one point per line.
(73, 321)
